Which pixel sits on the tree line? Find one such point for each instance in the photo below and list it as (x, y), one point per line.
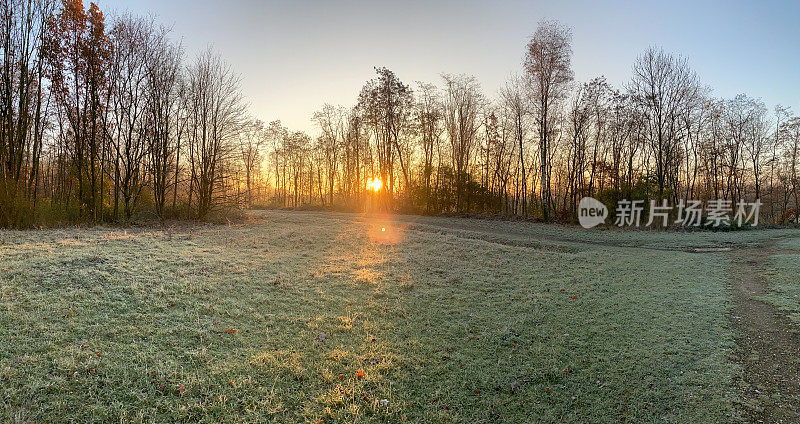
(107, 120)
(543, 142)
(100, 120)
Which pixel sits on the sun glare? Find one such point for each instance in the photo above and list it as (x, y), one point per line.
(374, 184)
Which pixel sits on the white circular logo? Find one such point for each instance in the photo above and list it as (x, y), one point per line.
(591, 212)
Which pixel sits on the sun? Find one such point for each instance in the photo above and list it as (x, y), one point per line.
(374, 184)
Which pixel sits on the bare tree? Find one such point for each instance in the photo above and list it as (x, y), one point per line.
(164, 108)
(216, 111)
(548, 63)
(756, 140)
(517, 108)
(386, 106)
(663, 86)
(428, 115)
(332, 123)
(252, 140)
(23, 102)
(127, 126)
(462, 105)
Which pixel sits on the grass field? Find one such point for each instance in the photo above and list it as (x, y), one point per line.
(783, 271)
(323, 317)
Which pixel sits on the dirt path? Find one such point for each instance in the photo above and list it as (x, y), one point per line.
(768, 343)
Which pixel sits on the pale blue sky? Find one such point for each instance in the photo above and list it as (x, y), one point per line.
(294, 56)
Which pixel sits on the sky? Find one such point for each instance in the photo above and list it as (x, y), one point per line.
(295, 56)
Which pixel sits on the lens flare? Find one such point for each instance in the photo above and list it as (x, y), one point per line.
(384, 229)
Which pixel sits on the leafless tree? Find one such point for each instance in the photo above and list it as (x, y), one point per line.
(664, 86)
(163, 117)
(386, 106)
(332, 122)
(428, 116)
(517, 108)
(462, 105)
(127, 126)
(252, 141)
(23, 102)
(548, 63)
(216, 111)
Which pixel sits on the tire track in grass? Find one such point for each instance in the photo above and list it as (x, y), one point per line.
(768, 343)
